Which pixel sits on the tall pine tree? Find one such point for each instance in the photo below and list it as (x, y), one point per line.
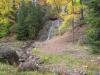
(22, 27)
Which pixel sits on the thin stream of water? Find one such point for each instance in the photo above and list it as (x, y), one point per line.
(54, 24)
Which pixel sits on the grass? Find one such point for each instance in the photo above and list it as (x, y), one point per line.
(70, 61)
(10, 70)
(73, 62)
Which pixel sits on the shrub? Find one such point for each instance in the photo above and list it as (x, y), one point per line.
(7, 17)
(93, 39)
(3, 30)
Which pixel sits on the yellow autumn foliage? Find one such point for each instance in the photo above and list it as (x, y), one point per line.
(58, 2)
(69, 7)
(66, 20)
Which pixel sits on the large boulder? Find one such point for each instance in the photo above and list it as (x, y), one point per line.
(9, 56)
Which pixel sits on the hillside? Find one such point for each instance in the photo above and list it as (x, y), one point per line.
(49, 37)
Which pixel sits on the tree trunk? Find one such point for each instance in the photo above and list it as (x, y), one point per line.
(81, 11)
(73, 21)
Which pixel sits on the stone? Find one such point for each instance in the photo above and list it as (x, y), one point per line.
(9, 55)
(30, 64)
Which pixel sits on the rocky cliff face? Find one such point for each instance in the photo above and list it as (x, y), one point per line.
(43, 34)
(49, 30)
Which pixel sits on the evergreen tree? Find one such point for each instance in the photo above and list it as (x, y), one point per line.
(34, 20)
(30, 21)
(22, 27)
(93, 20)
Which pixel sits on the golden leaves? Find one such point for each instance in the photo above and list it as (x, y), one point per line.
(58, 2)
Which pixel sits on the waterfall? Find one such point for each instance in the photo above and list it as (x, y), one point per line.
(35, 2)
(54, 24)
(63, 9)
(50, 29)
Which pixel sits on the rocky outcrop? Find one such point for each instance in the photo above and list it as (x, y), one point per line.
(48, 30)
(43, 34)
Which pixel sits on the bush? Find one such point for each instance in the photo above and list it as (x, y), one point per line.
(93, 39)
(4, 30)
(7, 17)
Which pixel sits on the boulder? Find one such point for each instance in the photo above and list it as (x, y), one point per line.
(9, 55)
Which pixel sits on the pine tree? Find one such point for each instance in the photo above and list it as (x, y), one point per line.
(22, 27)
(30, 21)
(93, 20)
(34, 20)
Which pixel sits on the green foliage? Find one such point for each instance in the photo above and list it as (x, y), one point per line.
(4, 30)
(35, 51)
(30, 21)
(5, 10)
(52, 12)
(22, 27)
(10, 70)
(45, 58)
(93, 32)
(34, 20)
